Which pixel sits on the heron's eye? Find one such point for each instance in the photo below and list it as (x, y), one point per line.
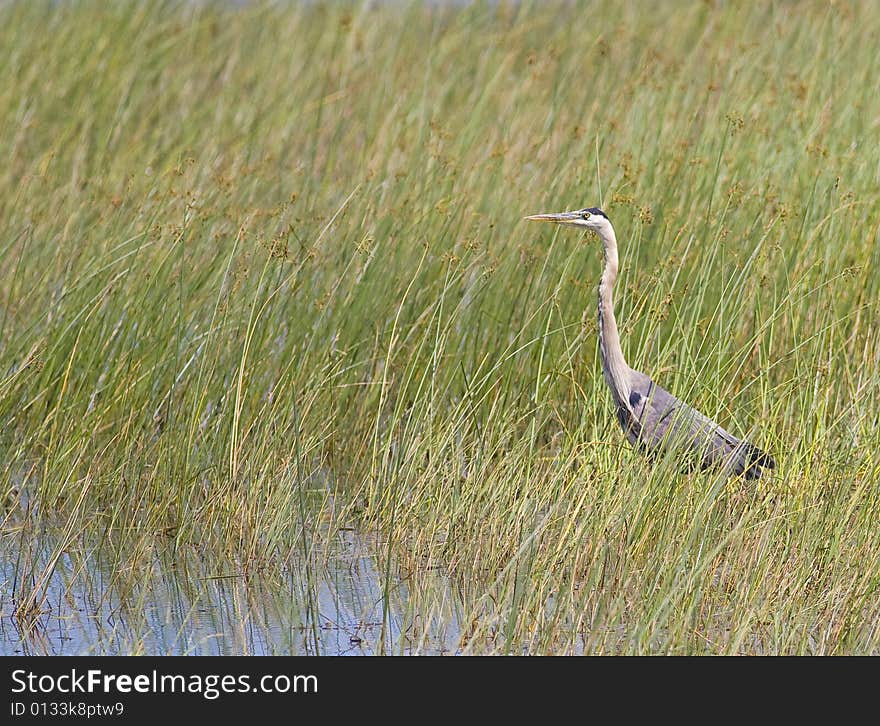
(585, 215)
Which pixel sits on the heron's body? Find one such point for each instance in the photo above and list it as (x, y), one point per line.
(652, 418)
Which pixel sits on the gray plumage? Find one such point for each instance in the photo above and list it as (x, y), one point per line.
(653, 419)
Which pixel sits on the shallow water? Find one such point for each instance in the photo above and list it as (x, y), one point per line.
(179, 607)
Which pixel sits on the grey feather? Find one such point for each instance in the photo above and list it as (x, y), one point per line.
(653, 419)
(656, 421)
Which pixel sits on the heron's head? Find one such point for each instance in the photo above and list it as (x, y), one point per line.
(591, 218)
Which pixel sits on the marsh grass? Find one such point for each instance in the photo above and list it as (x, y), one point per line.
(263, 276)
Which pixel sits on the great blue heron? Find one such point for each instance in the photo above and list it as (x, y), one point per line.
(652, 418)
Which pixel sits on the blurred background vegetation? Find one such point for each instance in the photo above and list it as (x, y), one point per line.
(264, 282)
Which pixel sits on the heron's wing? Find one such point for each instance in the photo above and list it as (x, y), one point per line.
(665, 421)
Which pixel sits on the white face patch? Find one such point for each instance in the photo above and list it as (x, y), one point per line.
(590, 218)
(594, 221)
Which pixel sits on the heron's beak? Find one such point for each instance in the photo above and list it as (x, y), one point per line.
(558, 218)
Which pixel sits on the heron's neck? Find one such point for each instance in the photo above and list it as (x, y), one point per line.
(613, 364)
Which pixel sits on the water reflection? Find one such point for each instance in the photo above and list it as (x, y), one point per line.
(179, 606)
